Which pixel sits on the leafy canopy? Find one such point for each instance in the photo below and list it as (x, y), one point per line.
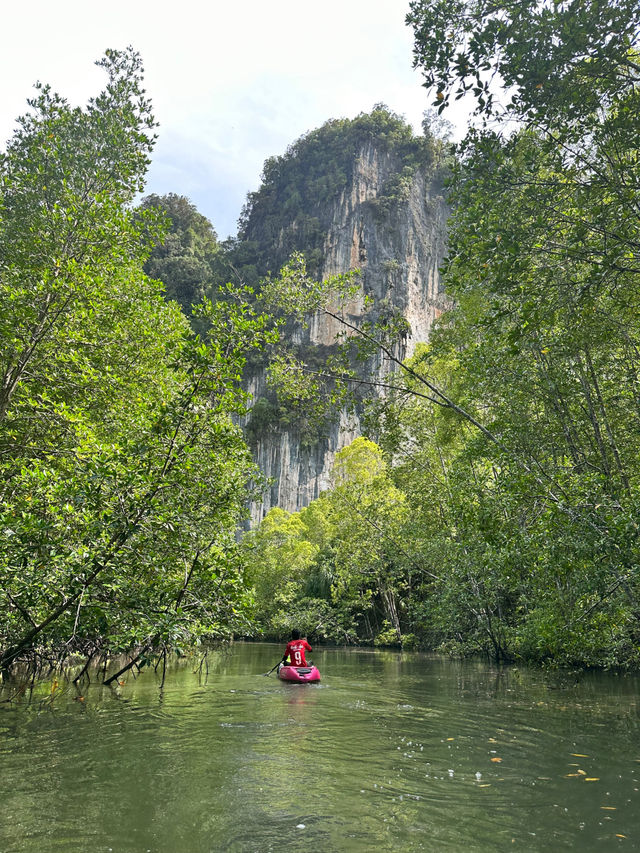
(122, 474)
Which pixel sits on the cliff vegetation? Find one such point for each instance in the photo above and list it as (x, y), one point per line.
(291, 210)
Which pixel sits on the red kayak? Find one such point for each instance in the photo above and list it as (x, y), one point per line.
(299, 674)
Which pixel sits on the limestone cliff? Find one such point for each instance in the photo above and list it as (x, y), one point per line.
(389, 221)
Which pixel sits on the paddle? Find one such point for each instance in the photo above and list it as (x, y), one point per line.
(273, 667)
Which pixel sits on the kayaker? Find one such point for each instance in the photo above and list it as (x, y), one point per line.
(296, 648)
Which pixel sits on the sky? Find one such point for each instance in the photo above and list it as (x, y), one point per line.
(232, 83)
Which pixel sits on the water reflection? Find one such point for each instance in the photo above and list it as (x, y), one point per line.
(393, 752)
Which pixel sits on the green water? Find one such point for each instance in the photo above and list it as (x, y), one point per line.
(391, 752)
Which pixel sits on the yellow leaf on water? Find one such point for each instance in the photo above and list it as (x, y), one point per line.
(492, 740)
(608, 808)
(579, 755)
(570, 775)
(485, 785)
(620, 836)
(582, 773)
(592, 779)
(450, 738)
(496, 759)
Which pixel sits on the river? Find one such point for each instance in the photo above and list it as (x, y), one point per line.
(390, 752)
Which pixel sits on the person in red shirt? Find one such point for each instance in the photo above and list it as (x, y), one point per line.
(296, 647)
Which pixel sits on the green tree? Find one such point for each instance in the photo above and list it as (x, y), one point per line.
(549, 63)
(123, 476)
(278, 555)
(372, 564)
(185, 260)
(543, 337)
(339, 568)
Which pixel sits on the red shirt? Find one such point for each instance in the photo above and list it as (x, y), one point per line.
(295, 652)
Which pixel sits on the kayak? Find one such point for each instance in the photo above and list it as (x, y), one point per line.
(299, 674)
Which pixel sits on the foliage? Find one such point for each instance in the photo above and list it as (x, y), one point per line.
(538, 509)
(304, 387)
(338, 567)
(340, 379)
(498, 511)
(185, 260)
(123, 476)
(552, 62)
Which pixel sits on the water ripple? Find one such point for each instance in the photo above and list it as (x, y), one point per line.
(389, 752)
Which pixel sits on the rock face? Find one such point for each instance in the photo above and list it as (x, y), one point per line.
(399, 251)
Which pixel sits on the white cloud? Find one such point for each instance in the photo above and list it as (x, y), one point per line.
(231, 82)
